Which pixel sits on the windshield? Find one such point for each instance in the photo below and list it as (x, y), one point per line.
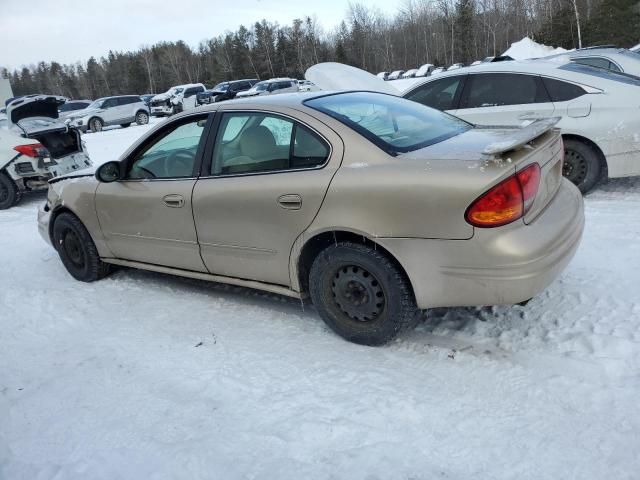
(96, 103)
(602, 73)
(394, 124)
(260, 87)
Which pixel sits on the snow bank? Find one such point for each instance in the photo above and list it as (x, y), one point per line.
(147, 376)
(527, 48)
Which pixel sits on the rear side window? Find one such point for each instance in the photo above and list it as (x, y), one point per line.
(599, 72)
(596, 62)
(260, 143)
(502, 89)
(560, 91)
(440, 94)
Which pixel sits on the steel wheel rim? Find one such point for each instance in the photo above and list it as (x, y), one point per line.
(96, 126)
(73, 248)
(357, 293)
(575, 166)
(143, 118)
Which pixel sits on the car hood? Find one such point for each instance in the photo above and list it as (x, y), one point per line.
(338, 76)
(161, 96)
(85, 172)
(82, 113)
(248, 93)
(40, 106)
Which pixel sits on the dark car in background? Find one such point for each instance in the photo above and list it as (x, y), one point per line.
(225, 91)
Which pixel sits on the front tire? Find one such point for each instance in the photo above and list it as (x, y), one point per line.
(9, 192)
(77, 251)
(581, 165)
(361, 294)
(142, 118)
(95, 125)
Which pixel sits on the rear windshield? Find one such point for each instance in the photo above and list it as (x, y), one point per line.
(392, 123)
(602, 73)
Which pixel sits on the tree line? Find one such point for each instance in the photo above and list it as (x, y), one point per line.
(441, 32)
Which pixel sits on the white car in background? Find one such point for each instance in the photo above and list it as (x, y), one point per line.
(425, 70)
(410, 73)
(455, 66)
(176, 99)
(395, 75)
(437, 71)
(599, 109)
(271, 87)
(307, 86)
(635, 49)
(36, 147)
(609, 58)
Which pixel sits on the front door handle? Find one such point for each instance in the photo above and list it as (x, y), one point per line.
(291, 201)
(173, 200)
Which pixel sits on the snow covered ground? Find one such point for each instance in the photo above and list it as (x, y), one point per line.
(145, 376)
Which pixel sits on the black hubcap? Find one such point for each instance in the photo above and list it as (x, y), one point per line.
(73, 248)
(575, 166)
(357, 293)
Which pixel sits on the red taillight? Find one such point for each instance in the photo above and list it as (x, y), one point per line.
(506, 202)
(31, 150)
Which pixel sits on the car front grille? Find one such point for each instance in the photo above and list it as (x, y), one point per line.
(159, 103)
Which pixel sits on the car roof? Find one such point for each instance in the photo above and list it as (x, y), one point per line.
(551, 68)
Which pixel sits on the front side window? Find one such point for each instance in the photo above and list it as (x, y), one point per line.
(439, 94)
(394, 124)
(172, 155)
(593, 61)
(110, 102)
(262, 142)
(502, 89)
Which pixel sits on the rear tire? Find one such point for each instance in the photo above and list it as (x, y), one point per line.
(125, 125)
(361, 294)
(582, 165)
(95, 125)
(142, 118)
(9, 192)
(77, 251)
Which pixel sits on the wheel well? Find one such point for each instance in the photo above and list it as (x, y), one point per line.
(55, 214)
(603, 161)
(142, 111)
(317, 244)
(93, 118)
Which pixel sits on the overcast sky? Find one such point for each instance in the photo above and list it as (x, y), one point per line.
(71, 30)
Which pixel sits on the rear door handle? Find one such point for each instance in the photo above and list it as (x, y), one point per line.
(291, 201)
(173, 200)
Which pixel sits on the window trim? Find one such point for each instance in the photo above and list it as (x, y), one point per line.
(197, 165)
(205, 171)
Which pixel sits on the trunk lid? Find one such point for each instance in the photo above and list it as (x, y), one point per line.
(492, 154)
(337, 76)
(36, 117)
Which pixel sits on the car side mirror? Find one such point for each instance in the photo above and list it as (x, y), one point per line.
(109, 172)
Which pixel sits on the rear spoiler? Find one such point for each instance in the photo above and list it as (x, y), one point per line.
(521, 136)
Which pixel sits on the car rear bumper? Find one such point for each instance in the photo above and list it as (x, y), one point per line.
(499, 266)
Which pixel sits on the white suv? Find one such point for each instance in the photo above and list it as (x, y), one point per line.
(121, 110)
(176, 99)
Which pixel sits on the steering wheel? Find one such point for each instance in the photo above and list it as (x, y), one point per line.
(182, 159)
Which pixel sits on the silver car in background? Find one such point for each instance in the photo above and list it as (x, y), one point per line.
(120, 110)
(615, 59)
